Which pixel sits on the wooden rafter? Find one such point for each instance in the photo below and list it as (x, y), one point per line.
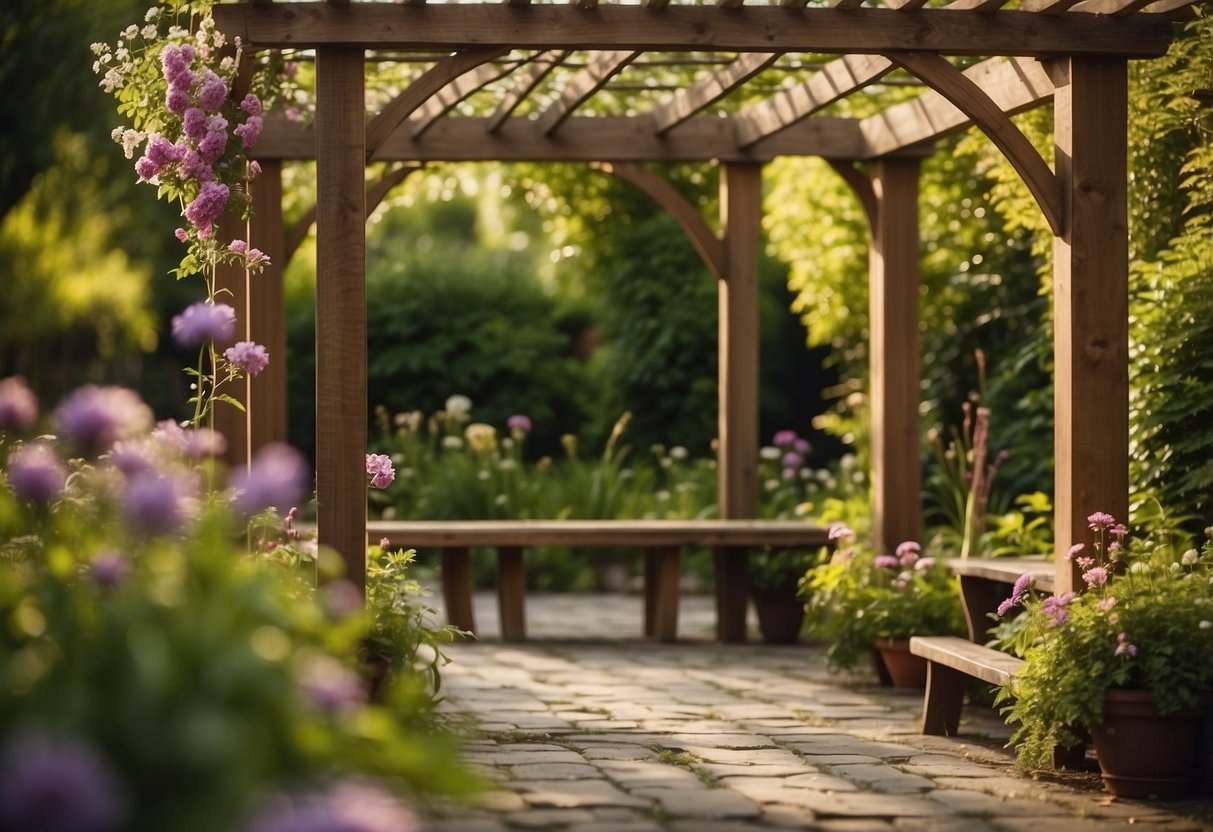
(582, 139)
(602, 67)
(705, 241)
(1047, 6)
(431, 81)
(861, 185)
(541, 65)
(1014, 85)
(445, 100)
(965, 93)
(461, 26)
(710, 89)
(837, 79)
(1116, 8)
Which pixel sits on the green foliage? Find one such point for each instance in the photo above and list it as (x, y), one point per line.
(1146, 628)
(856, 597)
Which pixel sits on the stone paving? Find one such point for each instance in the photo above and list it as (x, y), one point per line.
(588, 727)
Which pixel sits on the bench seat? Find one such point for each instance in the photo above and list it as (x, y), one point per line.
(951, 661)
(661, 541)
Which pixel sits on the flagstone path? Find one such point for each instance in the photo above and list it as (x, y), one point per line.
(588, 727)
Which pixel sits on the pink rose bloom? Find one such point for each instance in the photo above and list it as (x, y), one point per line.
(379, 466)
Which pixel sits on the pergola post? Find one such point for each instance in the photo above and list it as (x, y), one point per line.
(893, 324)
(232, 288)
(267, 309)
(1090, 301)
(741, 220)
(341, 397)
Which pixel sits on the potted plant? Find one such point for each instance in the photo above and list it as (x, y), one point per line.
(775, 576)
(859, 602)
(1130, 660)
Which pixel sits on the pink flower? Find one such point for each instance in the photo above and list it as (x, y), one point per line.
(886, 562)
(194, 123)
(1055, 607)
(907, 552)
(924, 564)
(146, 168)
(204, 321)
(1095, 577)
(1101, 520)
(238, 246)
(181, 234)
(1022, 584)
(35, 473)
(251, 105)
(1074, 550)
(1085, 563)
(1124, 648)
(18, 404)
(207, 206)
(215, 141)
(838, 531)
(177, 100)
(277, 476)
(193, 167)
(518, 424)
(784, 439)
(1106, 604)
(254, 169)
(379, 466)
(163, 152)
(248, 356)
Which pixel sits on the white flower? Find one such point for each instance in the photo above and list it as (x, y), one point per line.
(458, 405)
(1175, 568)
(1204, 625)
(152, 14)
(452, 443)
(507, 464)
(1190, 557)
(678, 452)
(769, 452)
(1139, 567)
(131, 31)
(149, 32)
(482, 474)
(662, 496)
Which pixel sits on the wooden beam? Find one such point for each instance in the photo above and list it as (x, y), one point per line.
(705, 241)
(1116, 8)
(685, 27)
(1013, 85)
(737, 431)
(845, 4)
(1046, 6)
(976, 5)
(964, 92)
(267, 310)
(893, 356)
(710, 89)
(419, 91)
(341, 397)
(445, 100)
(906, 5)
(860, 185)
(1090, 302)
(541, 65)
(837, 79)
(601, 68)
(584, 139)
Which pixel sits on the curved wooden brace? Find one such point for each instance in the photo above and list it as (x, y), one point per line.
(374, 195)
(861, 186)
(973, 101)
(707, 244)
(421, 90)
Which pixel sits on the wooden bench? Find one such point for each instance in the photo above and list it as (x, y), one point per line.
(661, 540)
(952, 661)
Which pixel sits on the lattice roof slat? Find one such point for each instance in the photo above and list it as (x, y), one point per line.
(706, 91)
(583, 85)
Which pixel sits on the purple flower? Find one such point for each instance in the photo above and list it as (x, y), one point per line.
(331, 687)
(146, 168)
(193, 166)
(345, 806)
(250, 131)
(152, 503)
(1085, 563)
(791, 460)
(1022, 584)
(1124, 648)
(1055, 607)
(1074, 550)
(251, 105)
(1095, 577)
(207, 206)
(1106, 604)
(35, 473)
(518, 423)
(214, 92)
(177, 100)
(1101, 520)
(163, 152)
(801, 446)
(784, 439)
(204, 442)
(18, 404)
(247, 356)
(99, 416)
(278, 476)
(238, 246)
(839, 531)
(58, 785)
(181, 234)
(194, 123)
(886, 562)
(108, 569)
(204, 321)
(215, 141)
(379, 466)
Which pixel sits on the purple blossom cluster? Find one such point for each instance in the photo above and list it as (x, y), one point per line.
(18, 404)
(1018, 593)
(277, 476)
(519, 425)
(36, 474)
(197, 96)
(204, 321)
(793, 449)
(58, 784)
(248, 357)
(97, 417)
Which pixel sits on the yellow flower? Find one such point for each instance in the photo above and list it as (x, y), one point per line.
(482, 438)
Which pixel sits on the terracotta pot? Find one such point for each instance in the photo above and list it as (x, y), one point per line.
(780, 614)
(1143, 753)
(902, 668)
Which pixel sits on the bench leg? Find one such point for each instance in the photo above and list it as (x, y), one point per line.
(980, 598)
(511, 593)
(732, 593)
(457, 588)
(943, 700)
(661, 592)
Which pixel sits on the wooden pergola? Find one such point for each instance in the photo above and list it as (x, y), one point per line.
(536, 64)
